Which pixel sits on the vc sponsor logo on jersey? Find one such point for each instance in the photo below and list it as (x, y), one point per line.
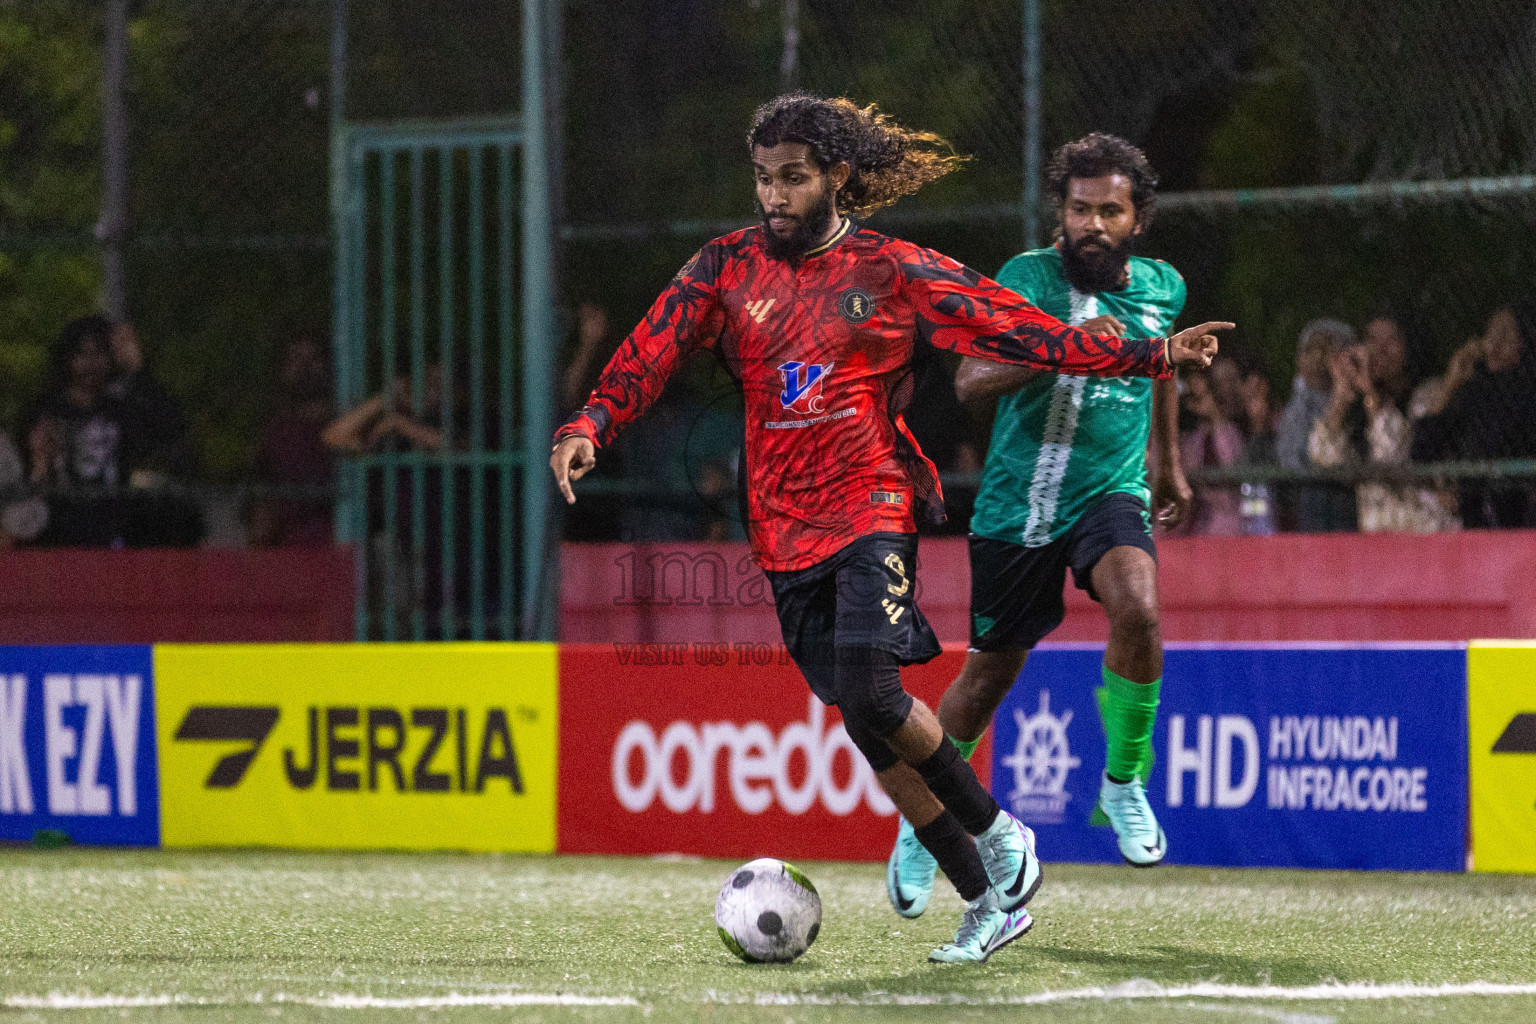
(802, 386)
(690, 767)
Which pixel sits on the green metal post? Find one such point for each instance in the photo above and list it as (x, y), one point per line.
(477, 392)
(445, 282)
(504, 338)
(538, 322)
(1031, 124)
(357, 342)
(387, 338)
(340, 238)
(418, 389)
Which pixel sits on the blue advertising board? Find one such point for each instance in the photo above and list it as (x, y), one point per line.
(1316, 756)
(77, 744)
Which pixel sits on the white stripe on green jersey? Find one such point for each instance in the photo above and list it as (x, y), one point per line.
(1059, 442)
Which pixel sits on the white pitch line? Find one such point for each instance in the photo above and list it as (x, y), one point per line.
(1136, 988)
(340, 1001)
(1140, 988)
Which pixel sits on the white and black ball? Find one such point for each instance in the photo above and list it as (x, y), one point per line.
(768, 912)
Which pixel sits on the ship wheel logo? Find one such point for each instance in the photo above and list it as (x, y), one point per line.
(1041, 760)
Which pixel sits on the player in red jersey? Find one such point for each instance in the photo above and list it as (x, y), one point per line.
(817, 319)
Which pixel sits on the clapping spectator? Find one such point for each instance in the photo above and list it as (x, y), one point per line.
(1320, 507)
(1483, 409)
(1363, 424)
(290, 452)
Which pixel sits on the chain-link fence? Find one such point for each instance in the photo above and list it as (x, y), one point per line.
(1318, 159)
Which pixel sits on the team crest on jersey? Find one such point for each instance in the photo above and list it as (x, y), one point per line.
(802, 386)
(856, 305)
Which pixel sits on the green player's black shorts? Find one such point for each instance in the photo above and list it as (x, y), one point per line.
(1016, 592)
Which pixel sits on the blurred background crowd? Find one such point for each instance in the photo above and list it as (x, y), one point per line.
(1354, 189)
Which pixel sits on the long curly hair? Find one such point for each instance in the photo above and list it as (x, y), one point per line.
(887, 160)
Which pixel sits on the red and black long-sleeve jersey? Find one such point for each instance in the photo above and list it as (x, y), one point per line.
(823, 349)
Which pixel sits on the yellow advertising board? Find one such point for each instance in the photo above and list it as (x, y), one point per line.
(358, 746)
(1501, 714)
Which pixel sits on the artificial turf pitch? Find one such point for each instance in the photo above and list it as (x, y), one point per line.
(248, 936)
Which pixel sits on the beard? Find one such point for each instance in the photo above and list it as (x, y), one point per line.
(1095, 268)
(807, 231)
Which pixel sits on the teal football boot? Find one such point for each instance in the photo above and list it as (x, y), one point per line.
(1007, 851)
(909, 873)
(984, 930)
(1142, 842)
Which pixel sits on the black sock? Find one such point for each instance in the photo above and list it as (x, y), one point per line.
(956, 853)
(951, 779)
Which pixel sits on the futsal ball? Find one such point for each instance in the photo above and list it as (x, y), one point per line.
(768, 912)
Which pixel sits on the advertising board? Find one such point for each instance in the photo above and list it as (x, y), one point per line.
(1501, 706)
(358, 746)
(77, 745)
(1317, 756)
(718, 750)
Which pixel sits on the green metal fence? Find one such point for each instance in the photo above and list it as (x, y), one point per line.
(428, 324)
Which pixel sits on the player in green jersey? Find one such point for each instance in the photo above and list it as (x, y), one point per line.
(1065, 485)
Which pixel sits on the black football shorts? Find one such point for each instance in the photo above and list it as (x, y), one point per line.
(862, 597)
(1016, 592)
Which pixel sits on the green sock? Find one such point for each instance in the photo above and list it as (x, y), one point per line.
(1128, 710)
(966, 747)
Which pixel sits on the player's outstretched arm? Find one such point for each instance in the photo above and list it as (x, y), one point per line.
(1196, 346)
(962, 311)
(979, 380)
(683, 319)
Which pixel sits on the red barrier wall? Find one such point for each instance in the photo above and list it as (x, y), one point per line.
(197, 595)
(717, 751)
(1452, 586)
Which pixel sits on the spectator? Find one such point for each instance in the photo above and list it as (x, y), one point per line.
(385, 423)
(417, 569)
(23, 516)
(1483, 409)
(1319, 507)
(104, 424)
(1214, 442)
(1259, 419)
(159, 444)
(290, 452)
(1363, 424)
(1386, 346)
